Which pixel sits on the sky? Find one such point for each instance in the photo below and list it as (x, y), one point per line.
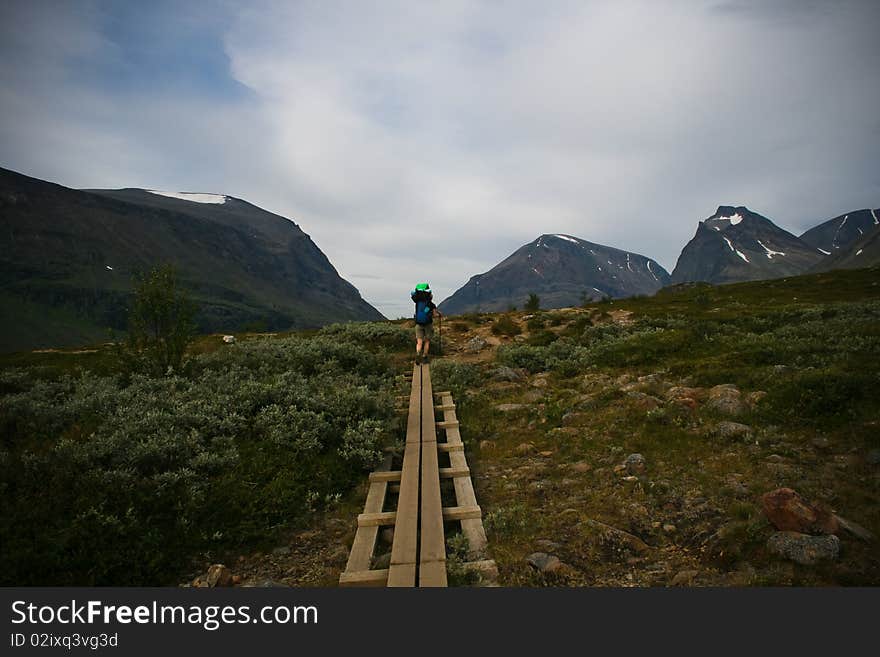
(426, 141)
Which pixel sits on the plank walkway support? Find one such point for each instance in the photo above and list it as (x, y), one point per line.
(418, 550)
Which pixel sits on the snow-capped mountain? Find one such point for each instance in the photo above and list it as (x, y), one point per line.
(736, 244)
(68, 257)
(562, 270)
(838, 234)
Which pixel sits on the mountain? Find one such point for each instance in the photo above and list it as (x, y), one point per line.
(841, 232)
(67, 258)
(736, 244)
(864, 252)
(561, 270)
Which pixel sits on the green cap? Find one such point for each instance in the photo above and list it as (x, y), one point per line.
(423, 286)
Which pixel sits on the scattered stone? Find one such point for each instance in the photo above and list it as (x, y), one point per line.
(532, 396)
(218, 575)
(581, 466)
(679, 392)
(563, 432)
(684, 578)
(754, 398)
(539, 382)
(475, 345)
(524, 448)
(236, 580)
(669, 528)
(229, 339)
(726, 399)
(507, 408)
(804, 549)
(487, 444)
(626, 539)
(635, 464)
(282, 551)
(504, 373)
(545, 453)
(820, 443)
(543, 562)
(732, 430)
(788, 511)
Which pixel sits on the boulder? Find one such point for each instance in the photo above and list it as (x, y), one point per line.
(218, 575)
(643, 401)
(229, 339)
(726, 399)
(504, 373)
(475, 345)
(732, 430)
(573, 418)
(507, 408)
(543, 562)
(635, 464)
(804, 549)
(788, 511)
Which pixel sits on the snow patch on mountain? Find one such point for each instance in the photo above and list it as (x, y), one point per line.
(567, 238)
(216, 199)
(770, 252)
(737, 251)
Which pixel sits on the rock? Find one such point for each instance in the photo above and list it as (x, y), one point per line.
(788, 511)
(545, 453)
(282, 551)
(643, 401)
(524, 448)
(669, 528)
(732, 430)
(684, 578)
(543, 562)
(219, 575)
(487, 444)
(855, 529)
(581, 466)
(679, 392)
(475, 345)
(236, 580)
(539, 382)
(563, 432)
(618, 536)
(504, 373)
(726, 399)
(507, 408)
(754, 398)
(229, 339)
(635, 464)
(804, 549)
(873, 457)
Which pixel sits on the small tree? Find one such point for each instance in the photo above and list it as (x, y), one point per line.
(534, 303)
(161, 324)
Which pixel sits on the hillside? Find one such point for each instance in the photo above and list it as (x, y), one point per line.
(68, 258)
(840, 233)
(863, 252)
(736, 244)
(563, 271)
(636, 441)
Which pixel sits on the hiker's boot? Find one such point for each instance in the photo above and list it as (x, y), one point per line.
(425, 359)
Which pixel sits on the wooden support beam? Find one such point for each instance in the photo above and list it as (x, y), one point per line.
(442, 394)
(447, 424)
(452, 473)
(444, 407)
(364, 578)
(446, 447)
(390, 475)
(462, 512)
(377, 519)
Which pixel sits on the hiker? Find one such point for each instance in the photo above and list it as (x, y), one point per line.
(424, 316)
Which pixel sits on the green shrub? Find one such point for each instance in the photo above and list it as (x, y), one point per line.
(505, 325)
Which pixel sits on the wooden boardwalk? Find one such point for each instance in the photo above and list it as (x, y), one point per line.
(418, 551)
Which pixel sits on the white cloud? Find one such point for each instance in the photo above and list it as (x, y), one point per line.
(429, 140)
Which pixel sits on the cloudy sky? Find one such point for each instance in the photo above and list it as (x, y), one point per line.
(428, 140)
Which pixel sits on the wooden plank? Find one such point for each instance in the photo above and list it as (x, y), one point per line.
(443, 394)
(404, 548)
(445, 425)
(390, 475)
(432, 574)
(432, 544)
(444, 407)
(365, 538)
(377, 519)
(446, 447)
(462, 512)
(403, 574)
(364, 578)
(451, 473)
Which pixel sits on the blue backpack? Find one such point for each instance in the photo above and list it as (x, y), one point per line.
(423, 310)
